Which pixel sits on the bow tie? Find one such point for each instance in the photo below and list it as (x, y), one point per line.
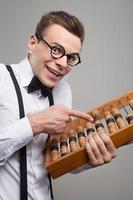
(35, 84)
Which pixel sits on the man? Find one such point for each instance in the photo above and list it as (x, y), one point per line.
(52, 52)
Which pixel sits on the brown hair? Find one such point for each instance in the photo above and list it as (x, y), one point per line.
(66, 20)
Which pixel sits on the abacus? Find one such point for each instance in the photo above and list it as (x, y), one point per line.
(66, 152)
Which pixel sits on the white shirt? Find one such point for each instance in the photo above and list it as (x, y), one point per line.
(15, 133)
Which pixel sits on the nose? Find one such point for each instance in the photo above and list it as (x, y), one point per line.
(62, 62)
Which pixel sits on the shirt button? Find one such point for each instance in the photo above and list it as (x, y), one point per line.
(2, 162)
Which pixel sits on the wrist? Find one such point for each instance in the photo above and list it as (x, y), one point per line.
(35, 124)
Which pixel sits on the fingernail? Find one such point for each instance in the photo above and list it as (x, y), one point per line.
(91, 118)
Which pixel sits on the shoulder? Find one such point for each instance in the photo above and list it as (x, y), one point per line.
(62, 93)
(4, 73)
(3, 70)
(2, 67)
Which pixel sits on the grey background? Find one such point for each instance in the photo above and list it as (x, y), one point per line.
(105, 73)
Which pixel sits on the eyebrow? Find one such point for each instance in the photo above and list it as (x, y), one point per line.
(56, 43)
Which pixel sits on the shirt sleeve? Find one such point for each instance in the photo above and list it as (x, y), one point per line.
(14, 137)
(81, 169)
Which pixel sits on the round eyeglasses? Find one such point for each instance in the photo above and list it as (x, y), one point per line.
(58, 51)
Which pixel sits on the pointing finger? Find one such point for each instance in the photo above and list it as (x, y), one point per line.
(80, 114)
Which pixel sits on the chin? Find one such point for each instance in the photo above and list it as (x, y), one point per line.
(50, 84)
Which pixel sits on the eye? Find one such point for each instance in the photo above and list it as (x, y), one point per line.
(57, 50)
(72, 58)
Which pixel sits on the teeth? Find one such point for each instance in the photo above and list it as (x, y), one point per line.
(54, 72)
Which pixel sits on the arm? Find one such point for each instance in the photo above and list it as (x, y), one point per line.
(14, 133)
(53, 120)
(14, 137)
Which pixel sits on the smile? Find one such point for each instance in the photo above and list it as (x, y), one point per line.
(54, 72)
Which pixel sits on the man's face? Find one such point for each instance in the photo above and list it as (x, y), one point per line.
(48, 69)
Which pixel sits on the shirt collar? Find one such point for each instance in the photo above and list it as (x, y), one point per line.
(25, 72)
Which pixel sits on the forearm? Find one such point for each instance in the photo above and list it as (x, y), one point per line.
(14, 137)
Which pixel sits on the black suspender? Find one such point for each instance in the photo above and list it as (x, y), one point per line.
(51, 102)
(23, 158)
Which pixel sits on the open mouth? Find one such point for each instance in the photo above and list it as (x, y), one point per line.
(54, 72)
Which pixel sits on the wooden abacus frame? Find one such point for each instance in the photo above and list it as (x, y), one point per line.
(75, 159)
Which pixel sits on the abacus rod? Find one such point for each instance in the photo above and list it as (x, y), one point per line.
(123, 107)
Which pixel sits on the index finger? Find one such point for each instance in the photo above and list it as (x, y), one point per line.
(80, 114)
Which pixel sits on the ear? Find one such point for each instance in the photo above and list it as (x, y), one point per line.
(32, 42)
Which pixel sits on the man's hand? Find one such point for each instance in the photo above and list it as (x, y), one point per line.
(100, 149)
(53, 120)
